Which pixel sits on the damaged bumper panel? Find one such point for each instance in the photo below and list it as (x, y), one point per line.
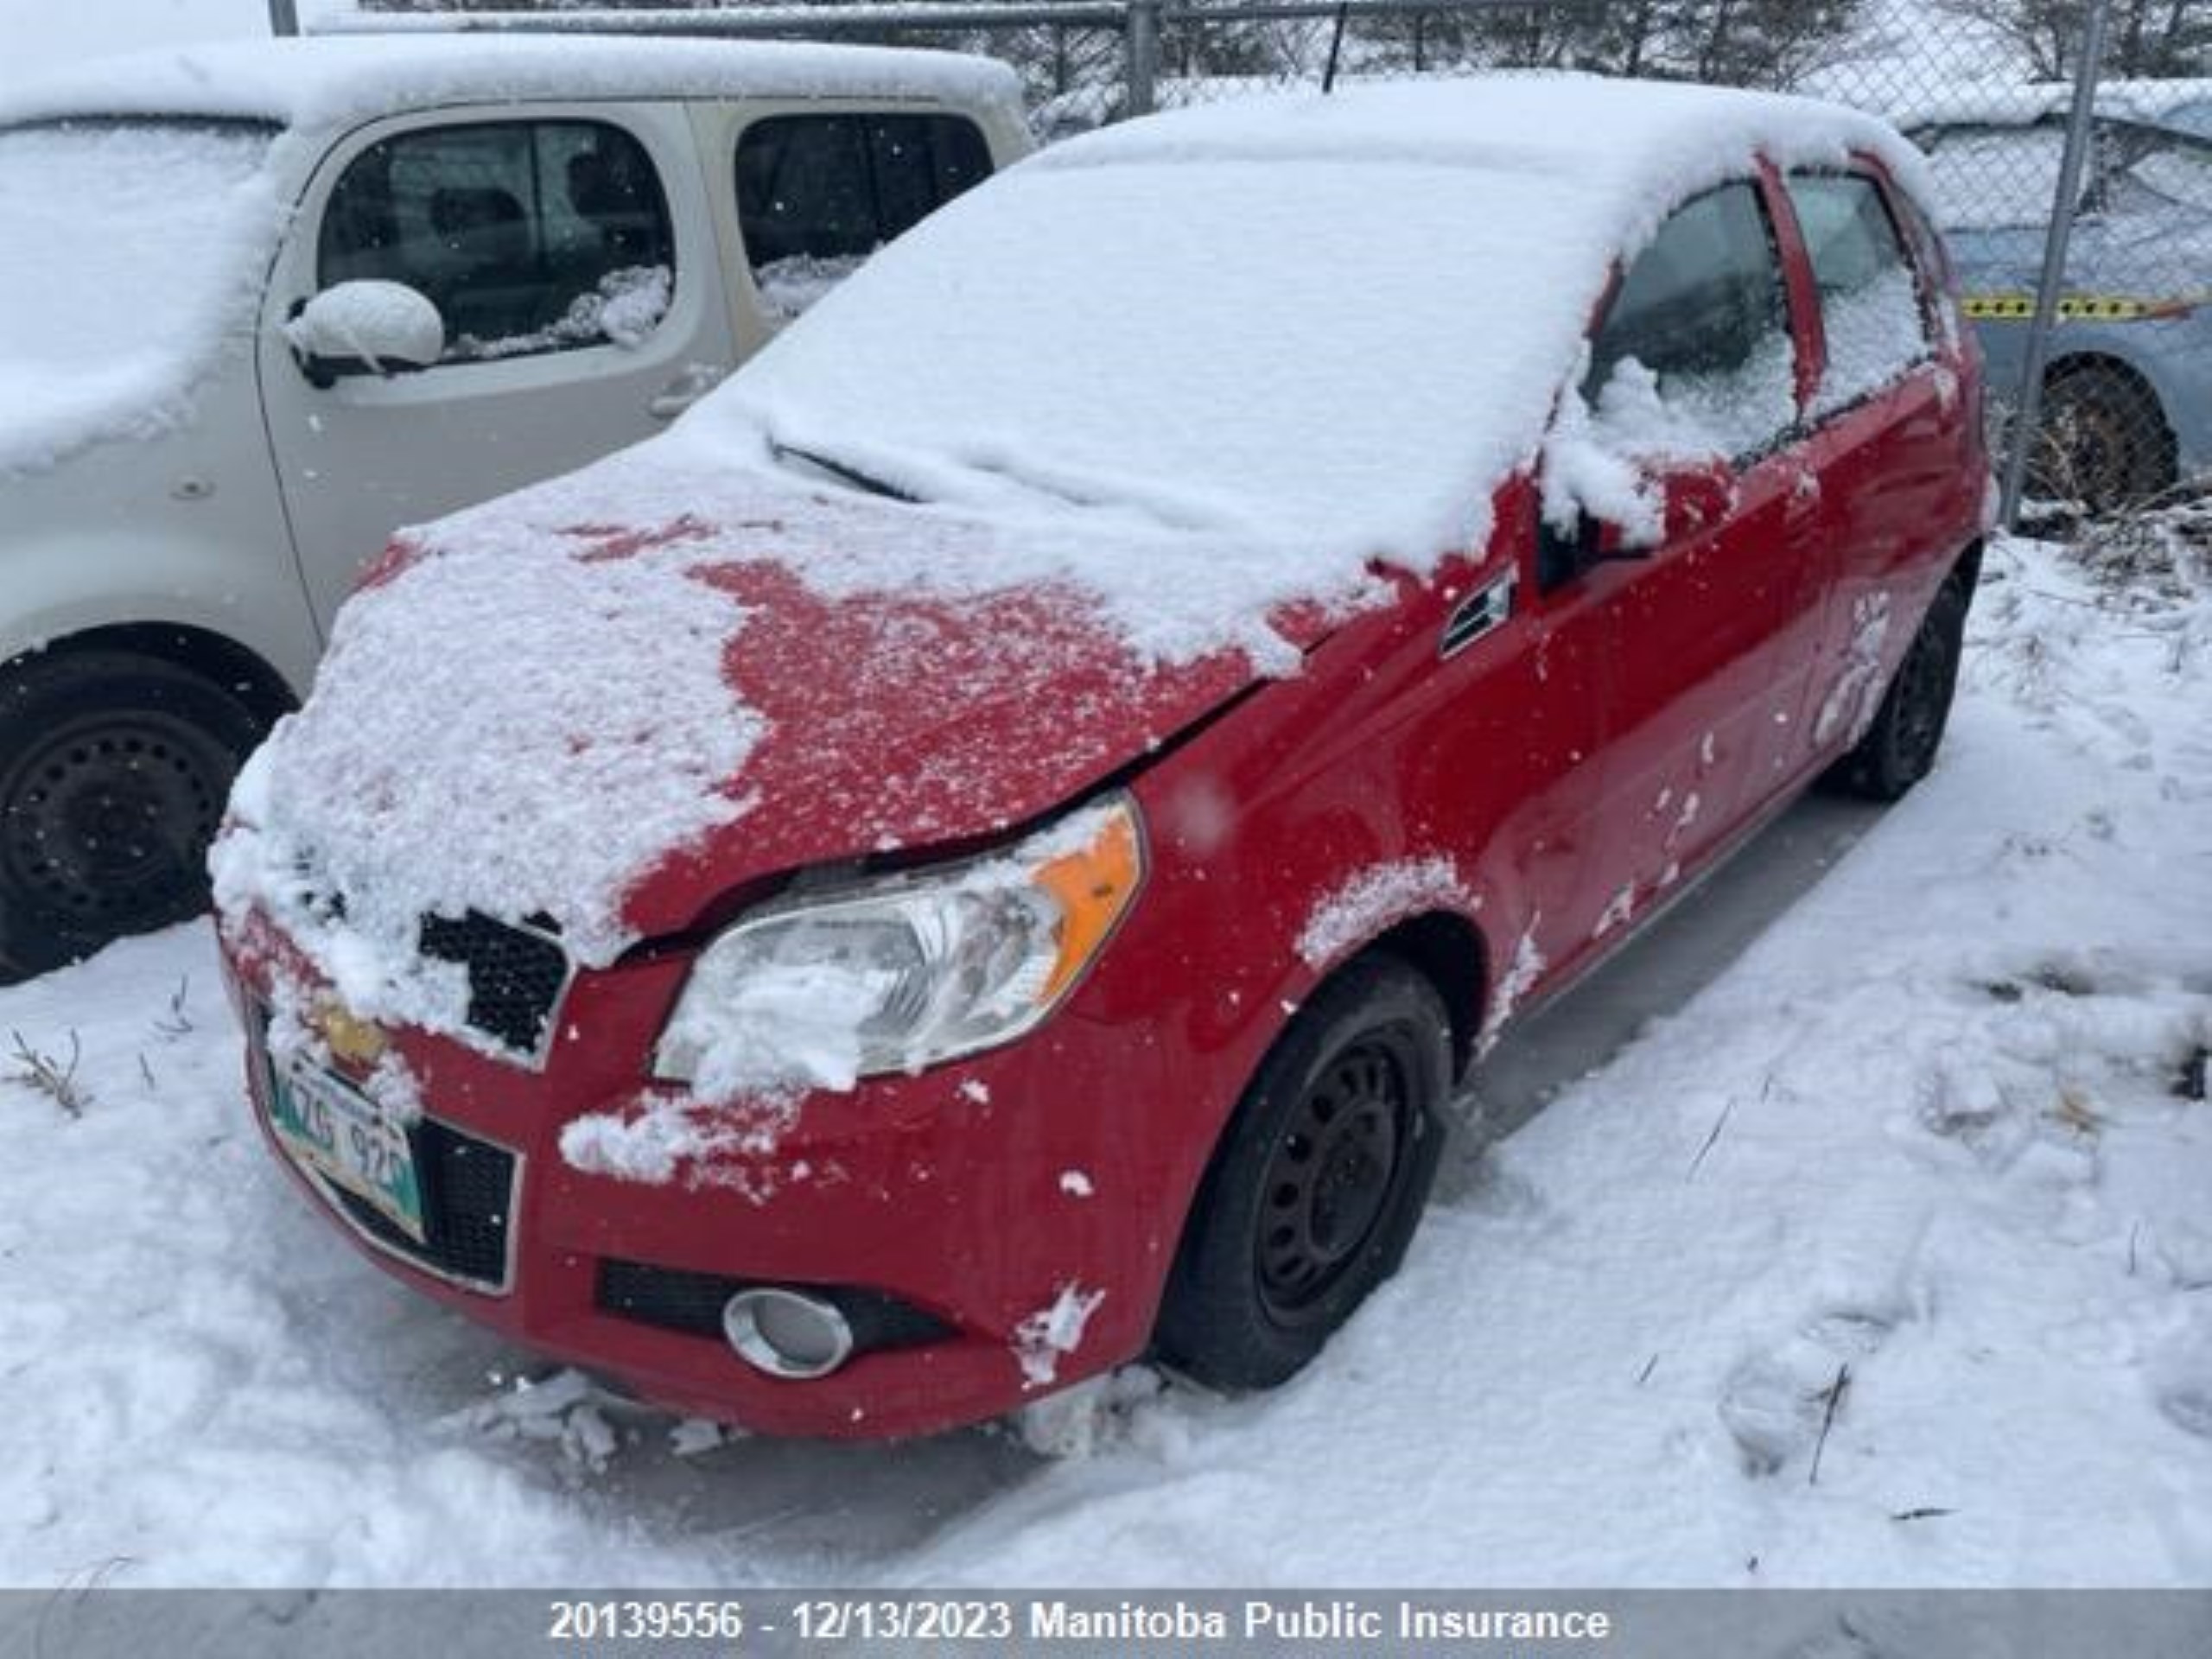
(892, 1261)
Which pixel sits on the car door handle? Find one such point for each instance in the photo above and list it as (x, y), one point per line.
(686, 388)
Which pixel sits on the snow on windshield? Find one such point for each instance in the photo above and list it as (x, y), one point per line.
(133, 250)
(1335, 324)
(1333, 347)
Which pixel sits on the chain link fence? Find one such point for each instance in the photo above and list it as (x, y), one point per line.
(2071, 144)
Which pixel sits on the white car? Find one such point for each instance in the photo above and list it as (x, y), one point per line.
(263, 305)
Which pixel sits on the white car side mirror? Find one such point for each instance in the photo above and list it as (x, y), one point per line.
(365, 328)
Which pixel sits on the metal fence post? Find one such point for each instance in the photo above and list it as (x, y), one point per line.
(2027, 417)
(1141, 36)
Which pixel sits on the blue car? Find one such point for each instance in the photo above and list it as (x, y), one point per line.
(2128, 393)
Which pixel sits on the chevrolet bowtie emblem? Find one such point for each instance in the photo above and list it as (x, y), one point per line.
(352, 1040)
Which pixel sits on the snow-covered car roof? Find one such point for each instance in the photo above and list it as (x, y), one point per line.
(1642, 134)
(322, 81)
(2152, 101)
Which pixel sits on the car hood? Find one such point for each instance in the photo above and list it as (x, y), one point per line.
(618, 725)
(894, 722)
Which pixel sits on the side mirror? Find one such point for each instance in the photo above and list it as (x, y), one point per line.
(1686, 497)
(365, 328)
(1563, 556)
(1695, 497)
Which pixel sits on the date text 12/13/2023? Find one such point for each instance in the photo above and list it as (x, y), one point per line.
(1223, 1619)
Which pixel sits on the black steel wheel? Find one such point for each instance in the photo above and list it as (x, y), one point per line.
(1899, 748)
(1330, 1176)
(114, 771)
(1318, 1183)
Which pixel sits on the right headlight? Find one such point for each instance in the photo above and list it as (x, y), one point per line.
(903, 973)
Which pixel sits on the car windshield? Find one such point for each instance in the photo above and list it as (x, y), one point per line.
(129, 244)
(1995, 178)
(1347, 350)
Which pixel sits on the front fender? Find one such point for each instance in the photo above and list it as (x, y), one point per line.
(183, 529)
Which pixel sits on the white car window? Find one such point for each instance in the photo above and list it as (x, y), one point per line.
(817, 193)
(527, 236)
(1695, 354)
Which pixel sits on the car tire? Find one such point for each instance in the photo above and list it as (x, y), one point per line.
(114, 770)
(1318, 1183)
(2106, 443)
(1899, 749)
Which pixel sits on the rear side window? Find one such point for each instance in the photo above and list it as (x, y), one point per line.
(1700, 330)
(527, 236)
(817, 193)
(1869, 297)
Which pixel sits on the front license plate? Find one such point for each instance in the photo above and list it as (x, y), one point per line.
(335, 1129)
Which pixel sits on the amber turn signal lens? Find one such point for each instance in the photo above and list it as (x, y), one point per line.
(1092, 886)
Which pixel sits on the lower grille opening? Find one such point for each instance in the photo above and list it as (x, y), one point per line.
(673, 1299)
(467, 1206)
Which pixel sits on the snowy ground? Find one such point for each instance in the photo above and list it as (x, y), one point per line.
(1926, 1152)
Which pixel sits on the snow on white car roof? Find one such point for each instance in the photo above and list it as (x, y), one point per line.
(158, 158)
(337, 79)
(1633, 131)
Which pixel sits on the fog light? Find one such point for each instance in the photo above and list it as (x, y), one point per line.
(786, 1333)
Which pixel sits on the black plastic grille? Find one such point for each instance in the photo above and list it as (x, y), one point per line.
(515, 975)
(467, 1200)
(675, 1299)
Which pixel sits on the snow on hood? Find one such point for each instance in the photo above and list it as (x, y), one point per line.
(531, 711)
(132, 258)
(1162, 401)
(491, 736)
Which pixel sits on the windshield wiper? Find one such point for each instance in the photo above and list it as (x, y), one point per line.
(844, 473)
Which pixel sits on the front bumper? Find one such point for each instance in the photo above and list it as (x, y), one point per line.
(971, 1196)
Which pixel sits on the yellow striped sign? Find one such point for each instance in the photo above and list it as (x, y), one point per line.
(2085, 307)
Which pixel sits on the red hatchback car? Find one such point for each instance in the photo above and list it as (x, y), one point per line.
(988, 850)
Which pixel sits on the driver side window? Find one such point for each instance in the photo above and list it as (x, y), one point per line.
(1696, 355)
(527, 236)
